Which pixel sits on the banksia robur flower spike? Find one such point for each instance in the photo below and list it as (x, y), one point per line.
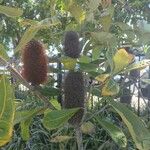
(74, 95)
(71, 45)
(34, 63)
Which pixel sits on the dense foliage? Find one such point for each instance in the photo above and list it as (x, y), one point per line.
(112, 33)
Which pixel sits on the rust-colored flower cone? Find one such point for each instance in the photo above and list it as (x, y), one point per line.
(74, 95)
(34, 63)
(71, 45)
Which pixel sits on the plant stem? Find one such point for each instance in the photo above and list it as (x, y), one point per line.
(17, 76)
(79, 137)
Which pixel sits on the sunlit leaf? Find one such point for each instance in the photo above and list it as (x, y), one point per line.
(56, 118)
(102, 77)
(115, 132)
(55, 103)
(139, 65)
(69, 63)
(60, 138)
(136, 127)
(10, 11)
(110, 88)
(121, 60)
(6, 110)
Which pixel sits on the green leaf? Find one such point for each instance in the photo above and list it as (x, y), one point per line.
(26, 114)
(3, 53)
(56, 104)
(25, 131)
(106, 22)
(105, 38)
(56, 118)
(110, 88)
(136, 127)
(28, 35)
(139, 65)
(84, 59)
(115, 132)
(10, 11)
(33, 29)
(77, 12)
(7, 110)
(69, 63)
(88, 67)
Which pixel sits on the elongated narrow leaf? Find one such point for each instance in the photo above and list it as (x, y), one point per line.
(139, 65)
(136, 127)
(10, 11)
(25, 131)
(56, 118)
(24, 115)
(6, 110)
(33, 29)
(115, 132)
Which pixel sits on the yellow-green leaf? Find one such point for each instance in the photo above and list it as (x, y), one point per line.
(106, 22)
(10, 11)
(121, 60)
(110, 88)
(139, 65)
(69, 63)
(25, 131)
(77, 12)
(6, 111)
(102, 77)
(33, 29)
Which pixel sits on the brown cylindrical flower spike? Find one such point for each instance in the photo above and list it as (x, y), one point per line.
(71, 45)
(34, 63)
(74, 95)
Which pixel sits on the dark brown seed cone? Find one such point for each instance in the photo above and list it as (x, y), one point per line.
(74, 95)
(71, 45)
(34, 63)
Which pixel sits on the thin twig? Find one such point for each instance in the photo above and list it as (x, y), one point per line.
(17, 76)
